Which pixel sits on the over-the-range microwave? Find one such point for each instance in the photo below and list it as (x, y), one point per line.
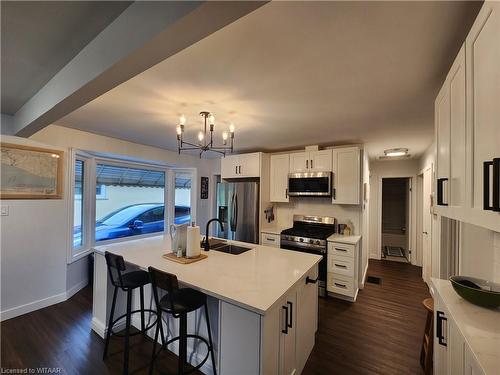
(310, 184)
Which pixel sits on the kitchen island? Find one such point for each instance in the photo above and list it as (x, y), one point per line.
(263, 306)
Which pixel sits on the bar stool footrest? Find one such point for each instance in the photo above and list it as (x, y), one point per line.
(151, 325)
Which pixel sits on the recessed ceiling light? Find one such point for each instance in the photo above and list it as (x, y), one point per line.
(393, 152)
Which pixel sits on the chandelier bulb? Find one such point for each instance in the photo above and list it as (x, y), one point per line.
(231, 128)
(178, 129)
(182, 120)
(224, 135)
(211, 119)
(200, 136)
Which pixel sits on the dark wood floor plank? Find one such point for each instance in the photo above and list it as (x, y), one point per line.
(379, 334)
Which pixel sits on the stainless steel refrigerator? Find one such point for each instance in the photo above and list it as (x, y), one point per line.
(238, 208)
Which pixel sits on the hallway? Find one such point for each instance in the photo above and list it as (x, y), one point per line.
(379, 334)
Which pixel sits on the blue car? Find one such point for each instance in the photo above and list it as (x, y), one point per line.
(133, 220)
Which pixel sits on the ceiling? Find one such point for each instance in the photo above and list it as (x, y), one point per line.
(40, 37)
(292, 74)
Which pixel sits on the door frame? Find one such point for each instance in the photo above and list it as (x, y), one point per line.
(411, 213)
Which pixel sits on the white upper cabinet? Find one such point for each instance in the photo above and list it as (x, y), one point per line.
(482, 48)
(451, 141)
(299, 162)
(241, 166)
(346, 175)
(457, 184)
(311, 161)
(279, 177)
(321, 161)
(442, 118)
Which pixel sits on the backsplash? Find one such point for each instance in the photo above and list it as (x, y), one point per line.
(284, 212)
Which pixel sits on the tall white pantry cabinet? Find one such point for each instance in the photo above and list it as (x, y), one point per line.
(467, 127)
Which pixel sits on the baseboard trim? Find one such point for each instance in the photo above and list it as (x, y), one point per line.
(32, 306)
(42, 303)
(76, 288)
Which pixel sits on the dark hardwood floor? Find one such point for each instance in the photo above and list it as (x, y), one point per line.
(379, 334)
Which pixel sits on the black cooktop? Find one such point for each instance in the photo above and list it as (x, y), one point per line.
(320, 232)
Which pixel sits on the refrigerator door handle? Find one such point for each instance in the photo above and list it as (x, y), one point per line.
(236, 212)
(233, 213)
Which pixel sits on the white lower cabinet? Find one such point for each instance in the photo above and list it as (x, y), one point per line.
(290, 328)
(342, 277)
(270, 239)
(452, 355)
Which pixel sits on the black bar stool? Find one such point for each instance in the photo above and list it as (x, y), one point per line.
(126, 280)
(179, 302)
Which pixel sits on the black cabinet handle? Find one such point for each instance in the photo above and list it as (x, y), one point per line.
(340, 285)
(440, 191)
(236, 170)
(311, 281)
(340, 265)
(496, 184)
(339, 249)
(486, 185)
(334, 193)
(439, 327)
(307, 164)
(290, 325)
(285, 331)
(311, 164)
(286, 193)
(270, 239)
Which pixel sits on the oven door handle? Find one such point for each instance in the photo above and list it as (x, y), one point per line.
(311, 281)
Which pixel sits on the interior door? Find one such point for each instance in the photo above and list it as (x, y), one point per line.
(426, 225)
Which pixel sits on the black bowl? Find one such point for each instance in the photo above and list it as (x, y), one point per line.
(477, 291)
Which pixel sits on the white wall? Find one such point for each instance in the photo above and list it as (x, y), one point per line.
(389, 168)
(34, 236)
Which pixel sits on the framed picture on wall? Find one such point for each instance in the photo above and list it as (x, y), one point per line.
(204, 188)
(30, 172)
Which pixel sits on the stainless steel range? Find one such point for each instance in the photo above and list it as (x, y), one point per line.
(309, 235)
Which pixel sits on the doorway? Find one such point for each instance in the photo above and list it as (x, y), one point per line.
(396, 219)
(425, 222)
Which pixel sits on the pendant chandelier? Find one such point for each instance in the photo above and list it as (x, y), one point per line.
(204, 143)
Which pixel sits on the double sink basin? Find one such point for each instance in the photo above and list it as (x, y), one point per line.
(224, 247)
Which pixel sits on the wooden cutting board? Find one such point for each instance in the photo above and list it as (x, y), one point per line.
(173, 257)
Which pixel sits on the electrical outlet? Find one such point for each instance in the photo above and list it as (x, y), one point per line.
(4, 211)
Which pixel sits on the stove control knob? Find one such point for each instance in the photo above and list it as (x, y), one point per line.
(301, 239)
(311, 241)
(317, 242)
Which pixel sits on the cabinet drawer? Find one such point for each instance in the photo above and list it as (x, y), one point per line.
(270, 239)
(341, 265)
(342, 249)
(340, 284)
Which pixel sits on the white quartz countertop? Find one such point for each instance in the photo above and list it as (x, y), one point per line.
(479, 326)
(352, 240)
(254, 280)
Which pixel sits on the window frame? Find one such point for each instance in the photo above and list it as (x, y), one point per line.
(90, 197)
(194, 179)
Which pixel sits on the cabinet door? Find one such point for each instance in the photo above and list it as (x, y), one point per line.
(299, 162)
(307, 319)
(320, 161)
(483, 109)
(455, 358)
(288, 335)
(279, 178)
(346, 175)
(249, 165)
(229, 166)
(456, 79)
(471, 367)
(440, 358)
(442, 121)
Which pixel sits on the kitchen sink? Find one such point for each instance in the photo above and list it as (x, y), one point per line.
(224, 247)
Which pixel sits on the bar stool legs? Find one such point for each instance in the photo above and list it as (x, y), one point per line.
(210, 339)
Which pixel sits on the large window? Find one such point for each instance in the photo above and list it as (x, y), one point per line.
(116, 199)
(133, 203)
(182, 214)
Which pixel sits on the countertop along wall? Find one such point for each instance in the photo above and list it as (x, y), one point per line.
(34, 268)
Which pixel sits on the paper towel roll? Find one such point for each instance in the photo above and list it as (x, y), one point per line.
(193, 242)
